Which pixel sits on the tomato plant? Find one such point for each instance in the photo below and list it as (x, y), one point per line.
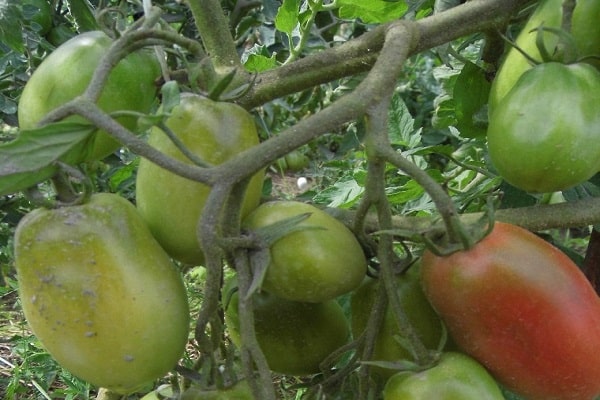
(535, 142)
(454, 377)
(295, 337)
(213, 131)
(524, 310)
(586, 34)
(417, 308)
(66, 73)
(100, 293)
(315, 264)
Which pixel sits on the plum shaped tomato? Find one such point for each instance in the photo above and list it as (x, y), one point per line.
(66, 73)
(311, 265)
(543, 135)
(523, 309)
(172, 205)
(100, 293)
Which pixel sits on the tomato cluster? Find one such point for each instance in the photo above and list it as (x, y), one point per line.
(100, 288)
(543, 119)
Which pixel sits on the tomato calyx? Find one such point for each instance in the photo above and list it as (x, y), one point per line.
(263, 238)
(72, 188)
(407, 365)
(468, 236)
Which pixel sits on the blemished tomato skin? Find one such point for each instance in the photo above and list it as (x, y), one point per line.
(172, 205)
(66, 73)
(543, 135)
(421, 315)
(100, 294)
(311, 265)
(295, 337)
(585, 31)
(524, 310)
(455, 377)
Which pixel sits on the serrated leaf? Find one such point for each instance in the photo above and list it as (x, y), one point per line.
(260, 63)
(401, 124)
(373, 11)
(31, 157)
(344, 193)
(287, 16)
(471, 92)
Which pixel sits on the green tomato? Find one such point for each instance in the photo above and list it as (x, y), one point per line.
(66, 73)
(39, 12)
(585, 30)
(172, 205)
(311, 265)
(543, 136)
(99, 292)
(295, 337)
(421, 315)
(455, 377)
(296, 161)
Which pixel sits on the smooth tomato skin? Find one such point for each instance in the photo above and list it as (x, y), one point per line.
(99, 292)
(524, 310)
(311, 265)
(172, 205)
(421, 315)
(455, 377)
(295, 337)
(585, 31)
(66, 73)
(543, 136)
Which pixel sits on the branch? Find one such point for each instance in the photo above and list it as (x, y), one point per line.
(573, 214)
(215, 33)
(360, 54)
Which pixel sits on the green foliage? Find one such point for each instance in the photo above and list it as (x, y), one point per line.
(375, 11)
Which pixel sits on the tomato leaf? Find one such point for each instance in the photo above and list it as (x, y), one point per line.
(471, 93)
(31, 157)
(374, 11)
(287, 16)
(10, 27)
(83, 13)
(257, 62)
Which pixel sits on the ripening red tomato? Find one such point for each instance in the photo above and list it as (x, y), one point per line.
(523, 309)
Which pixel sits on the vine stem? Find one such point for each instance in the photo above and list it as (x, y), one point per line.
(253, 359)
(441, 199)
(376, 142)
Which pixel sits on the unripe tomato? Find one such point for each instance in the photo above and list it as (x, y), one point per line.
(524, 310)
(312, 265)
(100, 294)
(585, 30)
(421, 315)
(171, 205)
(543, 136)
(455, 377)
(295, 337)
(66, 73)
